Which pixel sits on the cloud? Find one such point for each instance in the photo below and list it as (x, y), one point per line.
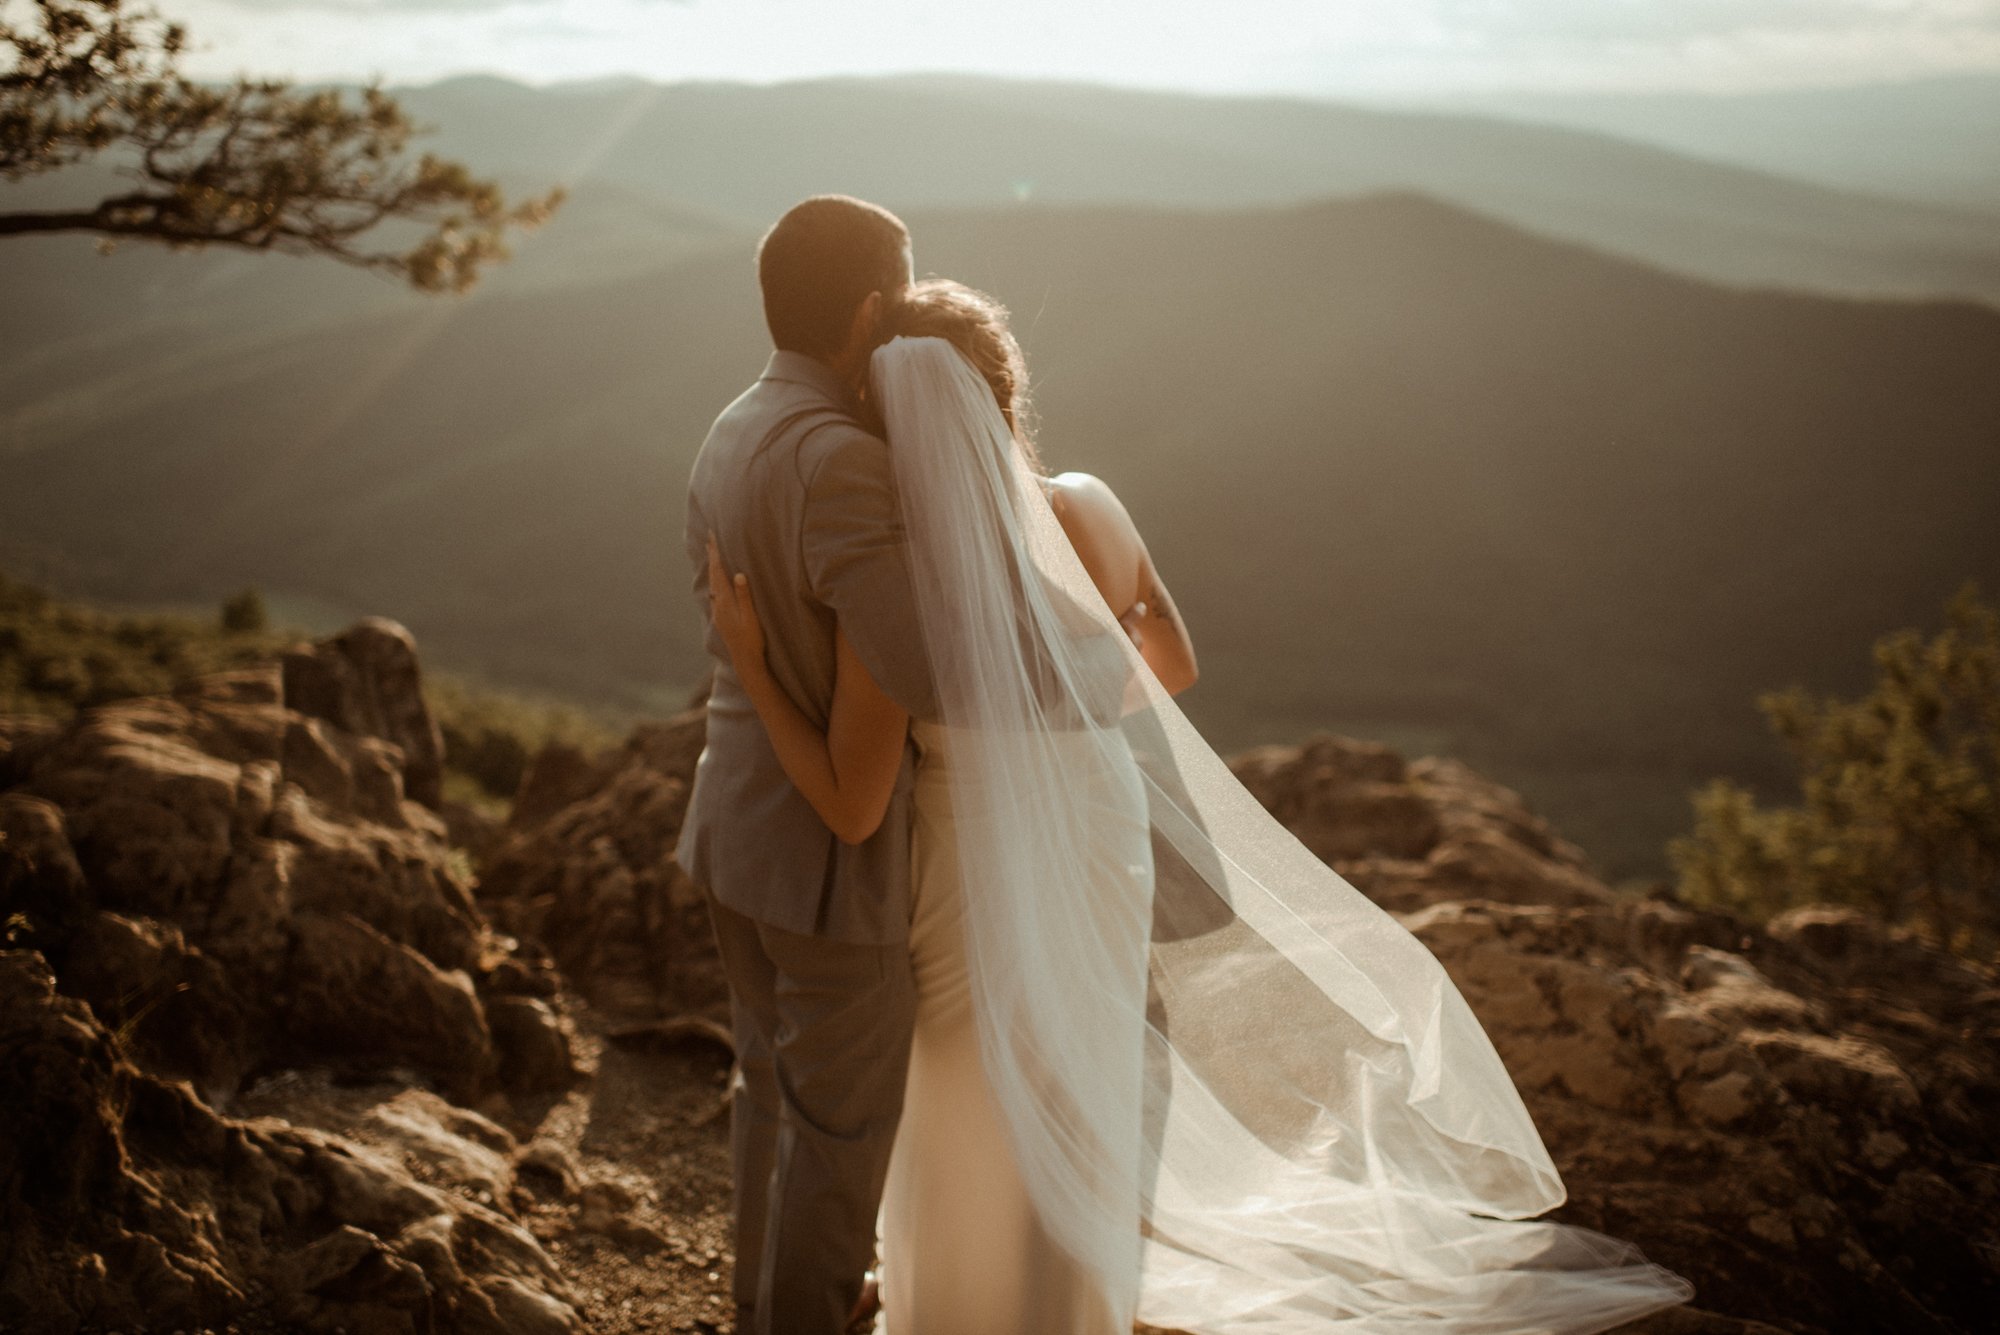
(1308, 46)
(1588, 22)
(1712, 45)
(366, 9)
(362, 9)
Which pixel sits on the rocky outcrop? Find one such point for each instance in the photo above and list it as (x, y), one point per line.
(127, 1203)
(208, 892)
(365, 681)
(586, 867)
(1413, 833)
(230, 899)
(1803, 1119)
(238, 875)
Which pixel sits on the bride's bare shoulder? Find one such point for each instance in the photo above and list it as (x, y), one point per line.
(1102, 533)
(1085, 494)
(1074, 481)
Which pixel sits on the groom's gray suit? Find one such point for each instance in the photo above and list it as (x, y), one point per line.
(813, 932)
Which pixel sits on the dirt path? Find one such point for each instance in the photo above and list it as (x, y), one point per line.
(645, 1239)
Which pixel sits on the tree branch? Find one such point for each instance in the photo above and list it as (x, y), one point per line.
(254, 165)
(20, 224)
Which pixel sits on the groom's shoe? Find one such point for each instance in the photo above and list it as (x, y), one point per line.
(867, 1307)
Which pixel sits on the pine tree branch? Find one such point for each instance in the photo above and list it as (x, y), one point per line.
(256, 165)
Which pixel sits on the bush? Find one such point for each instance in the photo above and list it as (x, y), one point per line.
(493, 759)
(244, 613)
(490, 734)
(57, 657)
(1899, 810)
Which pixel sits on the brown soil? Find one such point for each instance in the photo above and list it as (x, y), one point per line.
(651, 1119)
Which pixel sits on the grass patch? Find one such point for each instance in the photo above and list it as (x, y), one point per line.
(58, 657)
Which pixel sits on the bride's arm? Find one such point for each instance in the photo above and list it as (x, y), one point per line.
(1108, 544)
(1162, 635)
(848, 771)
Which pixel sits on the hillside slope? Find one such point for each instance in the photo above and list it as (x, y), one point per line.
(1928, 138)
(277, 1061)
(654, 169)
(747, 152)
(1411, 472)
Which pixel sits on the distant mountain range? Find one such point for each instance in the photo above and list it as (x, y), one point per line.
(743, 153)
(1936, 139)
(658, 171)
(1414, 472)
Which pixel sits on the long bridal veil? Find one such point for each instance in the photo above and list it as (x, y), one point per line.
(1242, 1094)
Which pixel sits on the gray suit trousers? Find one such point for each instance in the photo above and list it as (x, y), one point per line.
(822, 1032)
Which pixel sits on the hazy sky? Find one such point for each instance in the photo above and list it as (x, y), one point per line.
(1310, 46)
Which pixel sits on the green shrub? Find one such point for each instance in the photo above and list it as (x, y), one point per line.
(490, 734)
(493, 759)
(244, 613)
(57, 657)
(1899, 809)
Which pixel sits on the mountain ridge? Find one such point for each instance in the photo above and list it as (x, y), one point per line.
(1496, 472)
(748, 151)
(1928, 138)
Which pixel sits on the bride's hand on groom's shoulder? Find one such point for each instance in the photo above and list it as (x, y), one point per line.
(735, 613)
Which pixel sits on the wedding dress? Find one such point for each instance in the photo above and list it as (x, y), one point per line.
(1168, 1065)
(960, 1229)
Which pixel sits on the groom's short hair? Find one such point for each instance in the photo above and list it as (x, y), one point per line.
(820, 261)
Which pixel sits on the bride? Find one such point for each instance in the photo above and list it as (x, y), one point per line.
(1168, 1066)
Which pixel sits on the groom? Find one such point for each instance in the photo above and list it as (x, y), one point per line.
(794, 484)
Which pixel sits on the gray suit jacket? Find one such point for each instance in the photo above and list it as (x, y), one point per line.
(800, 497)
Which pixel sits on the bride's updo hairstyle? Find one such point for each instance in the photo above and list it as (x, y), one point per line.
(976, 325)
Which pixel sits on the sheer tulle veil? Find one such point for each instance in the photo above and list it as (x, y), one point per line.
(1240, 1092)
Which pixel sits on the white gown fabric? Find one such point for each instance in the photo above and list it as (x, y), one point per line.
(961, 1233)
(1216, 1089)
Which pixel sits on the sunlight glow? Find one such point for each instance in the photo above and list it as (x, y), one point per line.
(1295, 46)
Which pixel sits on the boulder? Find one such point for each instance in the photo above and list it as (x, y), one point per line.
(176, 1007)
(587, 868)
(23, 737)
(237, 877)
(42, 887)
(365, 681)
(412, 1129)
(128, 1203)
(1410, 834)
(1800, 1118)
(536, 1044)
(1764, 1115)
(357, 998)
